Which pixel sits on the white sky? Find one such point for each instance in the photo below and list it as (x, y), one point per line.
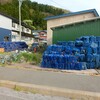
(73, 5)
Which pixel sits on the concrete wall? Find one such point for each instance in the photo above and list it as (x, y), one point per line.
(5, 22)
(65, 20)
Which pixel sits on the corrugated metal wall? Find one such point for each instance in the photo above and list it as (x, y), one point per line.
(71, 32)
(3, 33)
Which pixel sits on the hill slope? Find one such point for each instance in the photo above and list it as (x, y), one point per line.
(32, 12)
(5, 1)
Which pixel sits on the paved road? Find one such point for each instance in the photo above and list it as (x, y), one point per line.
(9, 94)
(55, 79)
(5, 97)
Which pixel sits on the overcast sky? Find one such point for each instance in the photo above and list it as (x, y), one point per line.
(73, 5)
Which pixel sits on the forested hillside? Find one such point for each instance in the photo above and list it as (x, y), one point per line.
(32, 12)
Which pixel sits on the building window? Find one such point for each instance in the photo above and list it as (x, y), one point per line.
(13, 25)
(42, 34)
(27, 30)
(13, 37)
(22, 29)
(17, 26)
(6, 38)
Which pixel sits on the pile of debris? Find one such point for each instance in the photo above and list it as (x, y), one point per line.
(12, 46)
(81, 54)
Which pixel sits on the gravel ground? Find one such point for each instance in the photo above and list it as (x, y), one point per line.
(10, 94)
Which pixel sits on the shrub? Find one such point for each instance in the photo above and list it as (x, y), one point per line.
(33, 58)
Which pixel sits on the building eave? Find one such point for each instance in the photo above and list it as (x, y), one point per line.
(73, 13)
(15, 20)
(62, 26)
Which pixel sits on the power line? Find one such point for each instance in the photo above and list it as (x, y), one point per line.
(57, 4)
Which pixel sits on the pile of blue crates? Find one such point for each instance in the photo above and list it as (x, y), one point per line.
(81, 54)
(12, 46)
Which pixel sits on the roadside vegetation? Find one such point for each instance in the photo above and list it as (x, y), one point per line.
(20, 57)
(28, 57)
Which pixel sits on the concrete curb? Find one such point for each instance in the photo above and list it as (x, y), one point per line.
(74, 94)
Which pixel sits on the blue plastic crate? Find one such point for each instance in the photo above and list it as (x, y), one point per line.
(61, 66)
(78, 66)
(98, 38)
(89, 58)
(92, 39)
(79, 43)
(89, 50)
(98, 50)
(95, 50)
(72, 58)
(79, 55)
(91, 65)
(71, 43)
(85, 39)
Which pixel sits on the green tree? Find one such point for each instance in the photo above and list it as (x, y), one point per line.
(31, 11)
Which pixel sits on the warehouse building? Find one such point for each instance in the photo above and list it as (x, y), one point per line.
(9, 30)
(55, 21)
(75, 30)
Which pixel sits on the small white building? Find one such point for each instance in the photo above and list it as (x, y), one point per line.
(9, 30)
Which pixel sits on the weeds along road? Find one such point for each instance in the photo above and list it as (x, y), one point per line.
(52, 79)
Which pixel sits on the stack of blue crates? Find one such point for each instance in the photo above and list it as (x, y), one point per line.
(81, 54)
(12, 46)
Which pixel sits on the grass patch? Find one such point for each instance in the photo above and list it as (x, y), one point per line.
(2, 65)
(3, 53)
(22, 57)
(18, 88)
(33, 58)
